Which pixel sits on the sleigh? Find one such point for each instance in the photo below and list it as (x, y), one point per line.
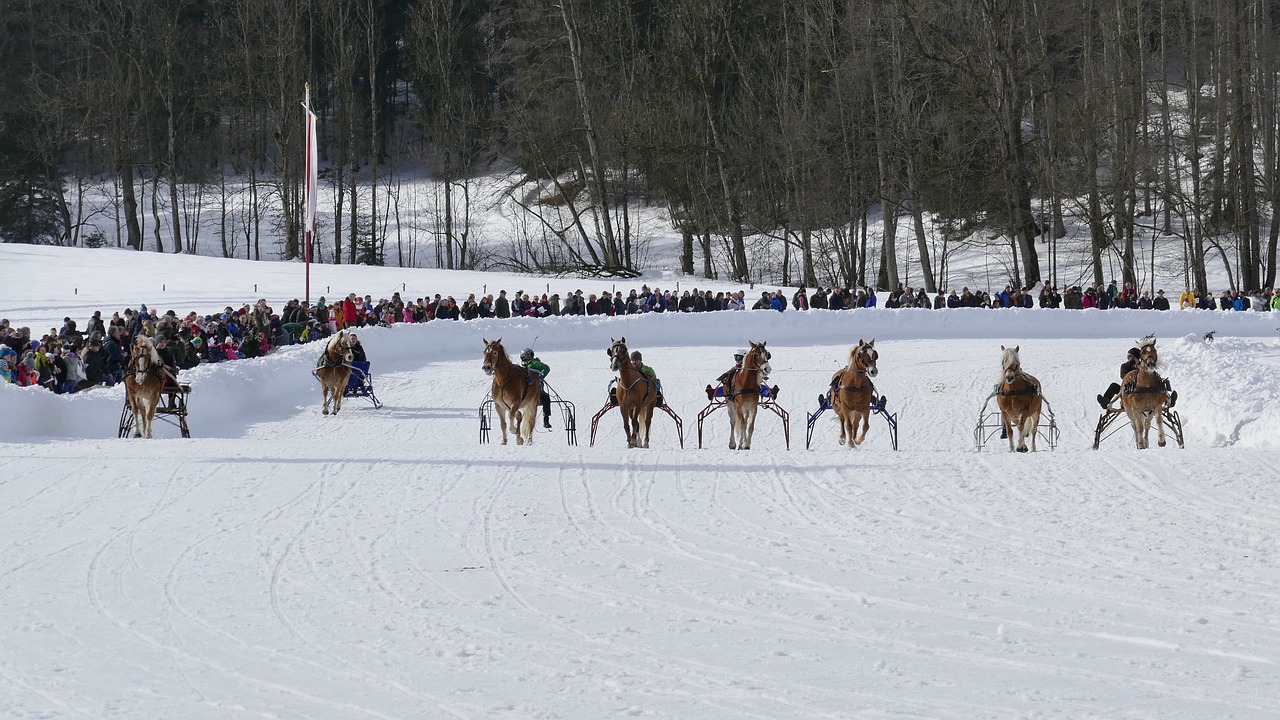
(568, 414)
(361, 383)
(767, 402)
(877, 407)
(172, 410)
(613, 403)
(990, 423)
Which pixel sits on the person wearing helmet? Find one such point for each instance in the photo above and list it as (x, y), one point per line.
(538, 370)
(726, 379)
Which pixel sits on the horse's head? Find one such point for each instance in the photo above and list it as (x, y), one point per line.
(144, 353)
(864, 357)
(1010, 365)
(339, 348)
(618, 355)
(492, 352)
(757, 358)
(1148, 359)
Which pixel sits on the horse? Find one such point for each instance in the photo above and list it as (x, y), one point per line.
(143, 384)
(637, 395)
(743, 395)
(1143, 396)
(851, 396)
(1019, 399)
(516, 393)
(333, 370)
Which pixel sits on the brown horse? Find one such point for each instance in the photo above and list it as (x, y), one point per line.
(1018, 396)
(516, 394)
(333, 370)
(851, 396)
(743, 395)
(637, 395)
(143, 383)
(1143, 396)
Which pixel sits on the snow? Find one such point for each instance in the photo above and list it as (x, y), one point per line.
(384, 564)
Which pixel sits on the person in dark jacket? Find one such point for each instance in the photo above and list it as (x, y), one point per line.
(502, 306)
(1130, 364)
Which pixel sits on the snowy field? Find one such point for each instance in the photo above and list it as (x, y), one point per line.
(385, 564)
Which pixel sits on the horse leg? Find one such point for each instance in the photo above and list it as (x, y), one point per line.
(1024, 430)
(337, 399)
(734, 422)
(324, 398)
(1160, 428)
(503, 412)
(1032, 423)
(749, 422)
(1007, 424)
(627, 428)
(144, 419)
(865, 416)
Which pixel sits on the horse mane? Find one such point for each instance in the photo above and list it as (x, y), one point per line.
(853, 354)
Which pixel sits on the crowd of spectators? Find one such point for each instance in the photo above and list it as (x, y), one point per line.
(71, 358)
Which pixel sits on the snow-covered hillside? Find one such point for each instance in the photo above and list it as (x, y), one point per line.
(385, 564)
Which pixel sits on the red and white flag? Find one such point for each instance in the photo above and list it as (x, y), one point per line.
(312, 170)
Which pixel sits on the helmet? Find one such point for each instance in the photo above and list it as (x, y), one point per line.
(1135, 352)
(635, 355)
(526, 355)
(739, 355)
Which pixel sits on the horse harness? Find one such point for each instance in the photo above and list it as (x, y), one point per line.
(870, 387)
(1030, 389)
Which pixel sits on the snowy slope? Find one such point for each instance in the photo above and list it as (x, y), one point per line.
(384, 564)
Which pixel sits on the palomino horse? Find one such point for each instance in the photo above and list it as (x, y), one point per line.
(333, 370)
(516, 393)
(143, 384)
(637, 395)
(1019, 399)
(851, 397)
(743, 396)
(1143, 396)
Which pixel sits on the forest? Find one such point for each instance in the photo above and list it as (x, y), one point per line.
(832, 130)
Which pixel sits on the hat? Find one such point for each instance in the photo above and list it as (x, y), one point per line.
(1135, 352)
(635, 355)
(1159, 292)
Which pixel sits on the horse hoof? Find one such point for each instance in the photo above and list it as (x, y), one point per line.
(1161, 443)
(326, 412)
(1022, 449)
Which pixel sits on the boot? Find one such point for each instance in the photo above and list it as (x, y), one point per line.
(1173, 398)
(773, 392)
(1103, 402)
(546, 421)
(711, 394)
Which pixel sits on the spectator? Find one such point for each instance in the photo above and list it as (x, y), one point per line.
(1160, 302)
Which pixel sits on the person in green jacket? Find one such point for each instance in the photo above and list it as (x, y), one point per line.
(540, 370)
